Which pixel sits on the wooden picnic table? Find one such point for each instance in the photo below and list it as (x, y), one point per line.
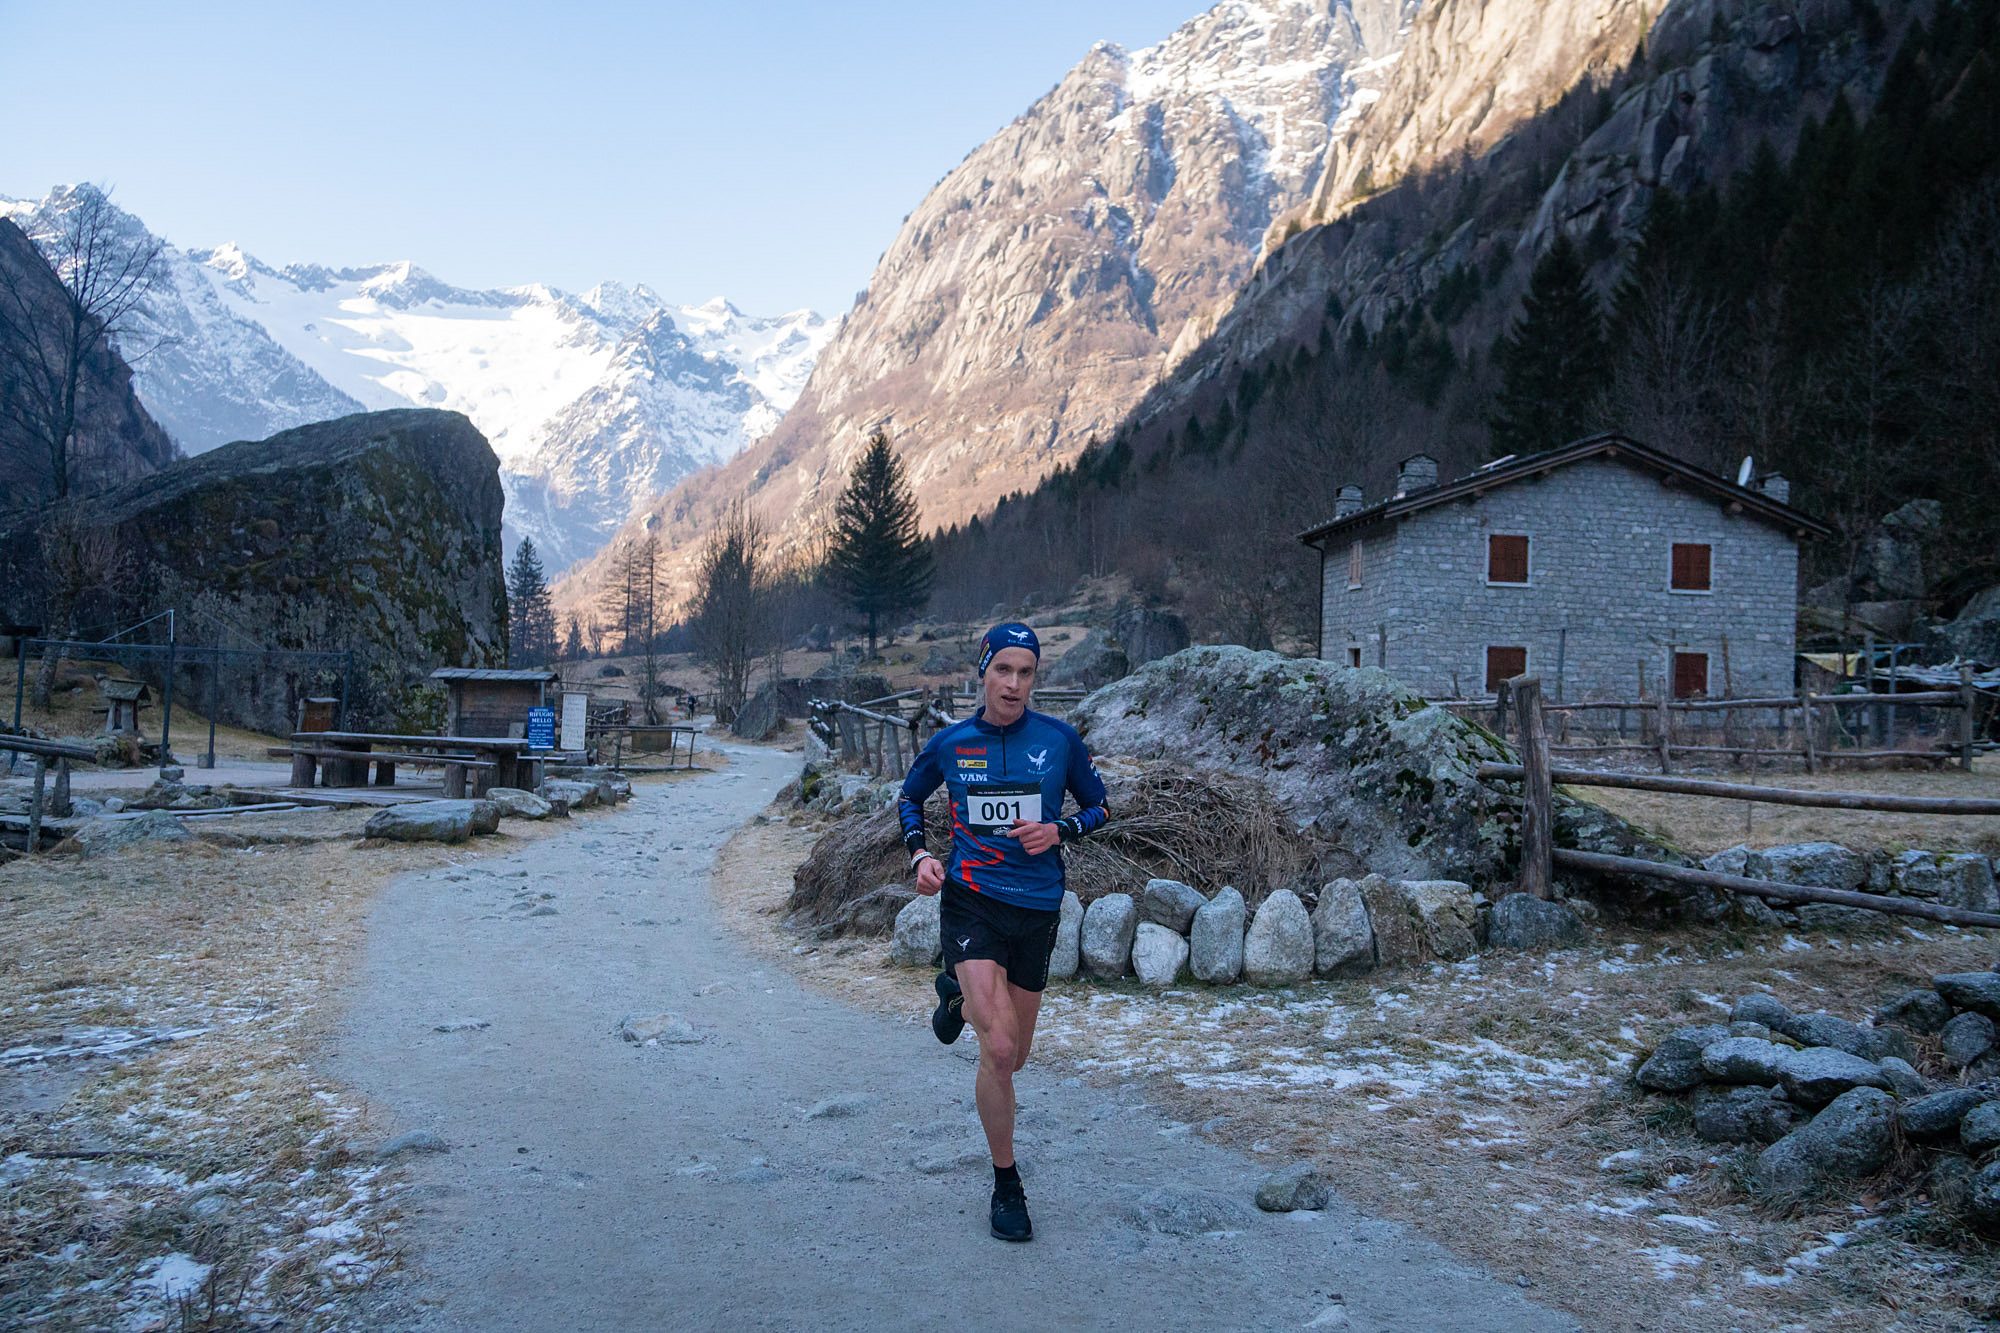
(343, 759)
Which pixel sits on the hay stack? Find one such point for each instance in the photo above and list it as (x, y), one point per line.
(1206, 828)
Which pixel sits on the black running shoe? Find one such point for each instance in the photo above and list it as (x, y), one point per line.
(1010, 1212)
(948, 1019)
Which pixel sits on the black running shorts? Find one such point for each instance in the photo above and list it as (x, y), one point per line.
(1020, 939)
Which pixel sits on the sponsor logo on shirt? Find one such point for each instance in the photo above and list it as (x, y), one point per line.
(1039, 759)
(968, 749)
(972, 763)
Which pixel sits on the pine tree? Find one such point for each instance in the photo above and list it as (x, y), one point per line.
(573, 640)
(531, 619)
(1553, 363)
(876, 561)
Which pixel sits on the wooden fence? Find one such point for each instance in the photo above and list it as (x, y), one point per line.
(1814, 729)
(43, 751)
(1539, 855)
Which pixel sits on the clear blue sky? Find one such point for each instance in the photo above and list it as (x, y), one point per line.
(765, 152)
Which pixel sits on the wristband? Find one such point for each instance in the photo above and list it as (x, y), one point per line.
(918, 858)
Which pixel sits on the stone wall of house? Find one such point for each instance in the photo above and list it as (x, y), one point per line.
(1597, 604)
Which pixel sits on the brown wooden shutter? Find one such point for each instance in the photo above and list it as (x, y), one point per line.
(1506, 559)
(1354, 565)
(1691, 566)
(1504, 664)
(1690, 675)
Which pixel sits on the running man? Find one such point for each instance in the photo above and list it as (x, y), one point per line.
(1005, 770)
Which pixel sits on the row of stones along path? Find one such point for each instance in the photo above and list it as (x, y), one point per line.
(592, 1183)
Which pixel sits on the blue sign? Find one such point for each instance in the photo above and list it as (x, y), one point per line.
(541, 728)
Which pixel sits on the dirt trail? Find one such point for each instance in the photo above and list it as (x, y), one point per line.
(803, 1165)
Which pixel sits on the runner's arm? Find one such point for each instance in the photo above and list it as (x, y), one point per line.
(1088, 789)
(924, 778)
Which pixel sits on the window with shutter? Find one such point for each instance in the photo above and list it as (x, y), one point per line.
(1504, 664)
(1691, 566)
(1506, 559)
(1354, 657)
(1354, 565)
(1690, 675)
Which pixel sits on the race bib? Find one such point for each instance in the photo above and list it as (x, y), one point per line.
(995, 809)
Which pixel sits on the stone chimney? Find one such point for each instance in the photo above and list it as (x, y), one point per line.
(1776, 486)
(1348, 501)
(1419, 473)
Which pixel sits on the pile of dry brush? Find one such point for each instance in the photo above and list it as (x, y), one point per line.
(1206, 829)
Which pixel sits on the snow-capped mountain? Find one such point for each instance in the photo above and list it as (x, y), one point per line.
(1034, 295)
(595, 403)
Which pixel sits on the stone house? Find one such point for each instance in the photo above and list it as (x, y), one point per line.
(1604, 567)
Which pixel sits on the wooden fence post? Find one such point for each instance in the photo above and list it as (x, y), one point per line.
(1665, 724)
(61, 807)
(35, 805)
(1965, 717)
(1500, 694)
(1537, 792)
(1808, 730)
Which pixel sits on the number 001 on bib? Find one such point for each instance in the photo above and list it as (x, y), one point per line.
(995, 809)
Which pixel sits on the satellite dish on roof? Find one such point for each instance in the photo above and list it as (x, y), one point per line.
(1743, 473)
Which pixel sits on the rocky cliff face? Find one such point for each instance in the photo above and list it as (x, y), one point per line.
(376, 533)
(116, 438)
(1028, 300)
(1689, 92)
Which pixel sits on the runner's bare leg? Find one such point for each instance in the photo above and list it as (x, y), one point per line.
(992, 1009)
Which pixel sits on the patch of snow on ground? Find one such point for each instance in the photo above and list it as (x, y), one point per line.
(1668, 1261)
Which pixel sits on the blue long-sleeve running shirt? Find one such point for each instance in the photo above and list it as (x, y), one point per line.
(994, 776)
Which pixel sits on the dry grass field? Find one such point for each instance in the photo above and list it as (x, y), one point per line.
(169, 1155)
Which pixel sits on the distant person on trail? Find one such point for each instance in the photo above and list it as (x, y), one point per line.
(1005, 770)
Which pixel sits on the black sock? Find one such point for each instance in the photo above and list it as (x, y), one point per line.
(1006, 1175)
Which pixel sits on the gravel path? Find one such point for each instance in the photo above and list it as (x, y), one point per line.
(801, 1165)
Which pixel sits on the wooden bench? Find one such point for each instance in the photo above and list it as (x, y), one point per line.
(354, 764)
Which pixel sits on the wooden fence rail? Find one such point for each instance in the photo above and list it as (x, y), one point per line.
(1805, 726)
(1538, 855)
(43, 751)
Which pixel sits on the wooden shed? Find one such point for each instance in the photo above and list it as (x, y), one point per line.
(122, 701)
(491, 702)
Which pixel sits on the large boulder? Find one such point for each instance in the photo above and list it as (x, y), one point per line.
(1399, 936)
(917, 938)
(1744, 1060)
(1921, 1011)
(1170, 903)
(513, 803)
(1109, 925)
(99, 837)
(1975, 633)
(1824, 1029)
(378, 532)
(1159, 955)
(1523, 921)
(1937, 1116)
(1093, 661)
(1851, 1138)
(1147, 634)
(1278, 948)
(1067, 956)
(1819, 1074)
(1956, 879)
(1980, 1128)
(1675, 1064)
(1977, 991)
(1384, 781)
(1343, 941)
(427, 821)
(1747, 1114)
(760, 714)
(571, 795)
(1447, 914)
(1965, 1039)
(1215, 942)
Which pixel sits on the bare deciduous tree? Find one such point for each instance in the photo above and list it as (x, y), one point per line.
(79, 558)
(48, 343)
(727, 613)
(1665, 382)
